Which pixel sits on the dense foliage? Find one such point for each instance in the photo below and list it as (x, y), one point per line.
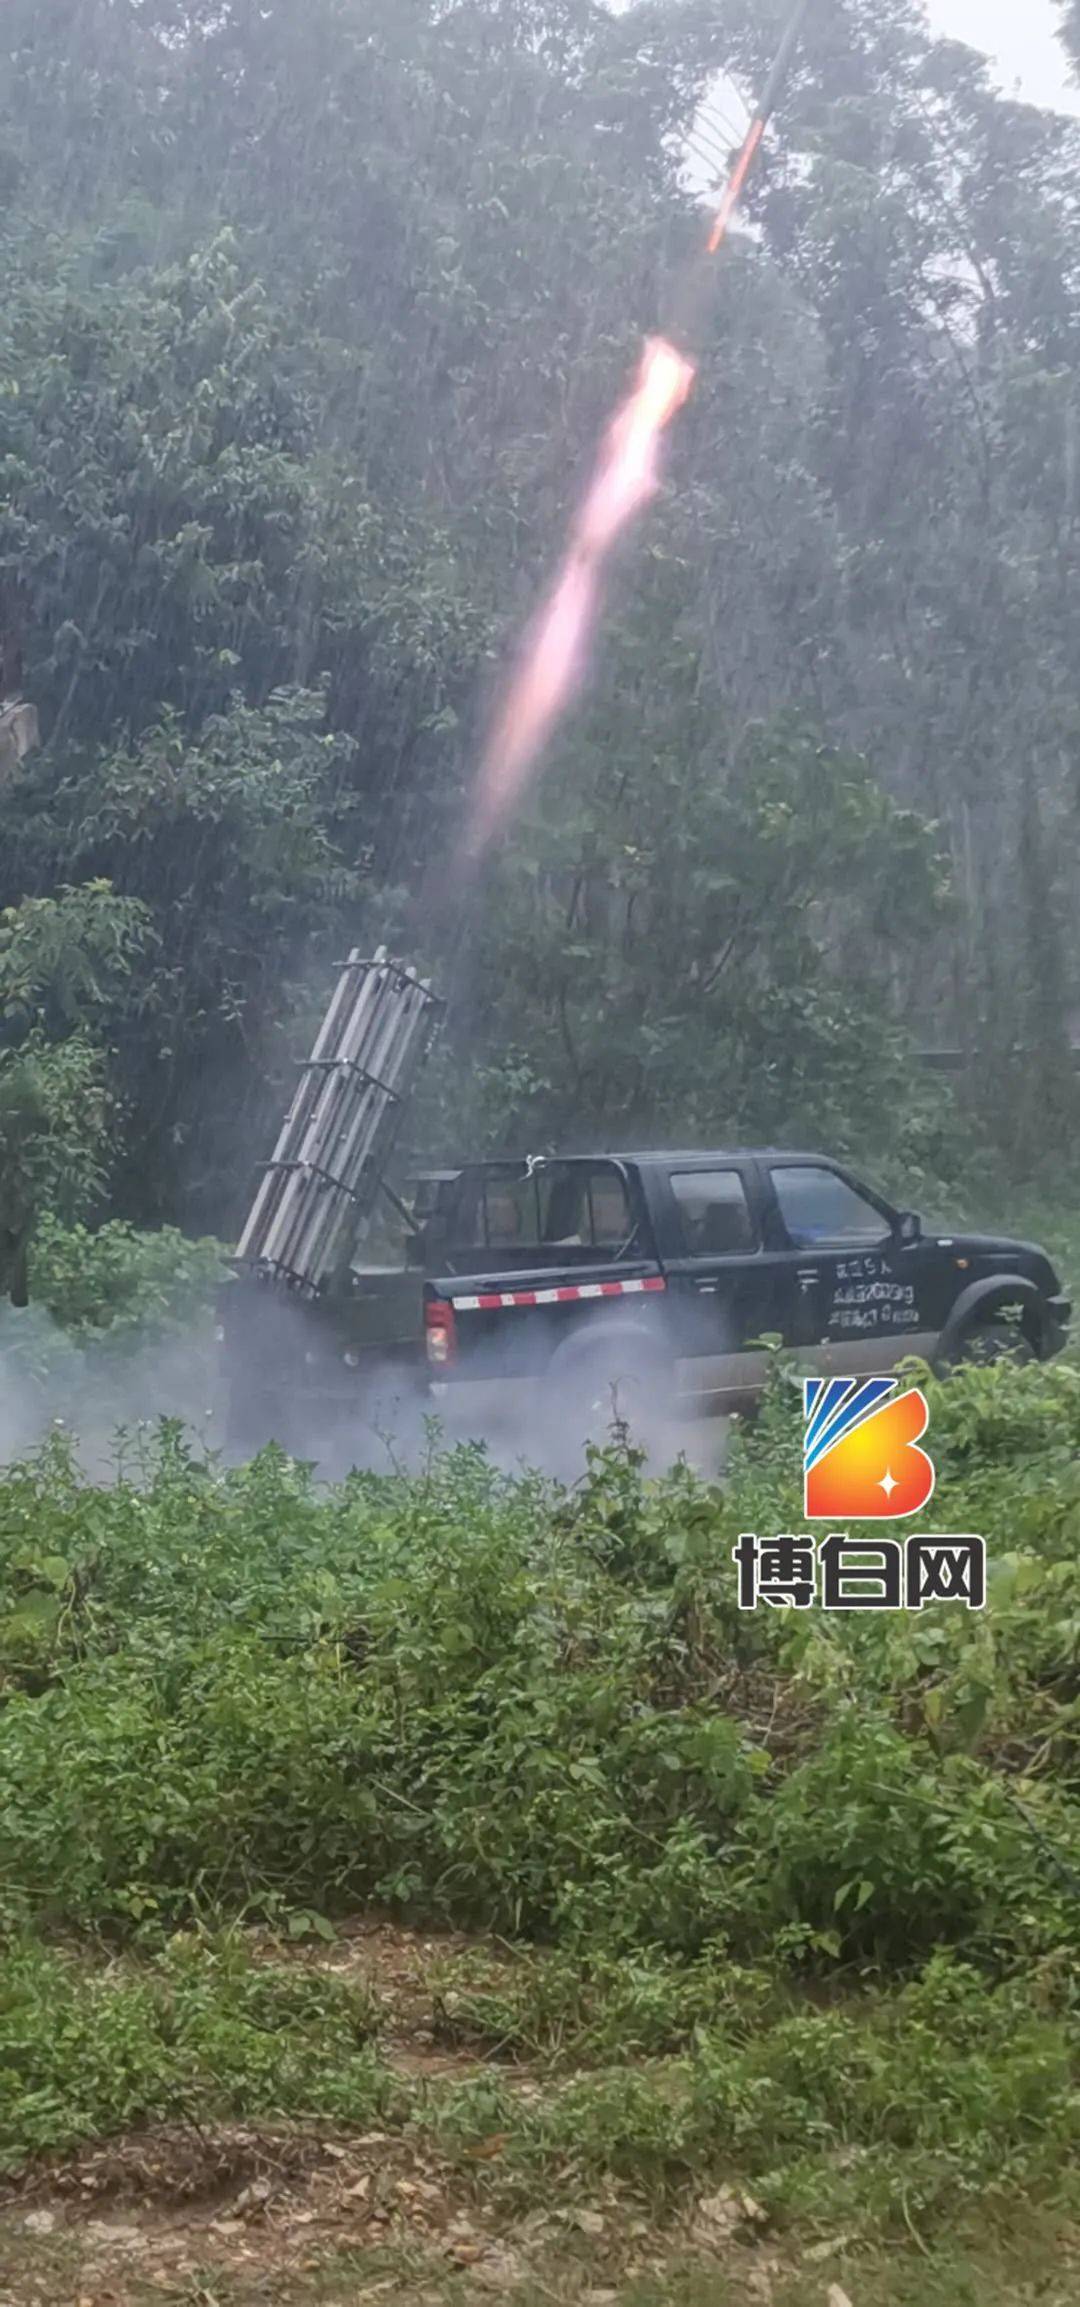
(230, 1700)
(312, 316)
(313, 313)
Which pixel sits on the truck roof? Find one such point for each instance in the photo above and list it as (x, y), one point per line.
(655, 1156)
(730, 1153)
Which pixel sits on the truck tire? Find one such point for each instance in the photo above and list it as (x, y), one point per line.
(987, 1342)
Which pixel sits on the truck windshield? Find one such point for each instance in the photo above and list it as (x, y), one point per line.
(563, 1205)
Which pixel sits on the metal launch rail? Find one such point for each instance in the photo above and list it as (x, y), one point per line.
(328, 1166)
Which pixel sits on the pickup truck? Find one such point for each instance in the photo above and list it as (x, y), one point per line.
(642, 1283)
(660, 1274)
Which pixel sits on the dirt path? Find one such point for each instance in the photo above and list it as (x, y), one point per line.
(287, 2215)
(240, 2213)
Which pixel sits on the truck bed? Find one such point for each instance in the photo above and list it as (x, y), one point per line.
(553, 1283)
(478, 1312)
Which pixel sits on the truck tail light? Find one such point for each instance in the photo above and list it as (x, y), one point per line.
(441, 1333)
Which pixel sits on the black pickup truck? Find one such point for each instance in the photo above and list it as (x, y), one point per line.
(662, 1273)
(656, 1274)
(645, 1282)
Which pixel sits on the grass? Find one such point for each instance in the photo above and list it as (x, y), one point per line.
(202, 2031)
(1023, 2268)
(783, 1902)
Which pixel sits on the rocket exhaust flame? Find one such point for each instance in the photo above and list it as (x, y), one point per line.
(630, 468)
(552, 662)
(553, 659)
(736, 186)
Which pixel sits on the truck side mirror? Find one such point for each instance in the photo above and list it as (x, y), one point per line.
(908, 1228)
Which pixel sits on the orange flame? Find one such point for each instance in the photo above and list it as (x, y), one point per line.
(628, 475)
(736, 186)
(552, 661)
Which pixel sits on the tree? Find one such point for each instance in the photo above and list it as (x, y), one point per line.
(313, 317)
(232, 847)
(1070, 15)
(698, 921)
(65, 966)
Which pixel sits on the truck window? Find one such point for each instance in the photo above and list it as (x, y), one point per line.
(570, 1205)
(714, 1212)
(817, 1206)
(585, 1207)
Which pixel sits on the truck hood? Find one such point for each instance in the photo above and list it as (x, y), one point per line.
(995, 1252)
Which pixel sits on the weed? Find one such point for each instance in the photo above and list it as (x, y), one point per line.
(790, 1896)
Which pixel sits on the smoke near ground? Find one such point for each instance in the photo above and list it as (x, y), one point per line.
(107, 1402)
(101, 1396)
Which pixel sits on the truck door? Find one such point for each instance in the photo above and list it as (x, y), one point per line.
(726, 1286)
(856, 1293)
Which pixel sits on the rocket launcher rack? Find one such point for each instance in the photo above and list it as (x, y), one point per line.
(328, 1164)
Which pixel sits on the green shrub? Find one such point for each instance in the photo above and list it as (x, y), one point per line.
(124, 1286)
(203, 2032)
(790, 1895)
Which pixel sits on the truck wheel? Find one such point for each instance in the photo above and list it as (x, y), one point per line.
(988, 1342)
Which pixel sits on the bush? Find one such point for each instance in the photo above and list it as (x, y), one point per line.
(121, 1285)
(202, 2030)
(232, 1696)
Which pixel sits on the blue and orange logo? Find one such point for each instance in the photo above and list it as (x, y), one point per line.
(861, 1455)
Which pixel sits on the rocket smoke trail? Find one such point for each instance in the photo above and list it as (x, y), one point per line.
(553, 658)
(552, 661)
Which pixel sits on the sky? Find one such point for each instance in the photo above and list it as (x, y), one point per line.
(1019, 35)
